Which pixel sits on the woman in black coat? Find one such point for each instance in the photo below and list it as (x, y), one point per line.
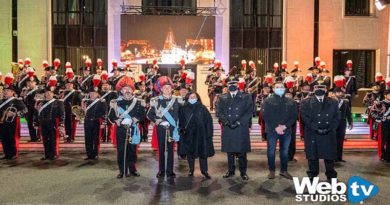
(196, 133)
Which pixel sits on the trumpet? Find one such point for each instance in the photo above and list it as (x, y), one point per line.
(5, 117)
(79, 112)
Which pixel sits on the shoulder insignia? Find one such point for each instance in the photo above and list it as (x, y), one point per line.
(102, 100)
(154, 101)
(113, 103)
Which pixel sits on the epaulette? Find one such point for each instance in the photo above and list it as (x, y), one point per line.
(113, 103)
(154, 101)
(179, 99)
(143, 102)
(102, 100)
(224, 95)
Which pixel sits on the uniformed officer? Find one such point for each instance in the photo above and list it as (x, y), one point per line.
(11, 108)
(164, 112)
(321, 117)
(143, 95)
(345, 117)
(29, 100)
(107, 94)
(85, 81)
(50, 118)
(71, 98)
(234, 109)
(386, 126)
(95, 112)
(350, 82)
(113, 80)
(126, 111)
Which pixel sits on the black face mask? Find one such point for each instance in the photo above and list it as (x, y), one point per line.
(319, 92)
(232, 88)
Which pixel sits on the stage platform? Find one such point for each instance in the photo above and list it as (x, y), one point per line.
(357, 139)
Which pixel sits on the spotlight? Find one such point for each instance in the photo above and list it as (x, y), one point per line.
(381, 4)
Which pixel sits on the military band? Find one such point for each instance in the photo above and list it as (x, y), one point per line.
(121, 106)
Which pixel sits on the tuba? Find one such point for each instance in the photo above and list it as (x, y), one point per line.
(78, 111)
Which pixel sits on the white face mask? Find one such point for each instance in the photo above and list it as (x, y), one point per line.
(192, 101)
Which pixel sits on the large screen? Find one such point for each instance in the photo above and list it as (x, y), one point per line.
(167, 39)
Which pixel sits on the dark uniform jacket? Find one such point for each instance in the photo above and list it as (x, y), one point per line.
(234, 109)
(320, 117)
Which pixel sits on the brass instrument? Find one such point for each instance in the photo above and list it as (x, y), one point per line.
(79, 112)
(4, 116)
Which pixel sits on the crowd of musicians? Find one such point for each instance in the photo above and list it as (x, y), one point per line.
(120, 107)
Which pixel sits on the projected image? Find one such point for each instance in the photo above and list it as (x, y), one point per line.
(168, 39)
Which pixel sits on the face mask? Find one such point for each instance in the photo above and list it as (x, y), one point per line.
(319, 92)
(279, 91)
(232, 88)
(192, 101)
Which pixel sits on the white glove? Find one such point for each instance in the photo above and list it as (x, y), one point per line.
(164, 123)
(127, 121)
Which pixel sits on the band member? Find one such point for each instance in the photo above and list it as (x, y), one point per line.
(349, 88)
(253, 83)
(370, 99)
(125, 112)
(325, 75)
(279, 127)
(113, 80)
(379, 80)
(151, 78)
(108, 95)
(47, 73)
(265, 92)
(303, 94)
(234, 109)
(164, 112)
(50, 119)
(11, 108)
(142, 94)
(85, 81)
(99, 66)
(95, 112)
(215, 84)
(386, 126)
(29, 100)
(71, 97)
(295, 73)
(196, 131)
(345, 117)
(321, 117)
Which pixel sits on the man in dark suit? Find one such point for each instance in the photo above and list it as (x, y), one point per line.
(321, 117)
(234, 110)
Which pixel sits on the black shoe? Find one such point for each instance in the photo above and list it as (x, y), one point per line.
(171, 175)
(191, 173)
(13, 158)
(120, 175)
(244, 177)
(343, 160)
(206, 175)
(293, 160)
(88, 158)
(43, 158)
(135, 174)
(228, 174)
(31, 141)
(160, 174)
(127, 175)
(286, 175)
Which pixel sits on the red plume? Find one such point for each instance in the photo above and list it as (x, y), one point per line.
(290, 84)
(155, 62)
(182, 62)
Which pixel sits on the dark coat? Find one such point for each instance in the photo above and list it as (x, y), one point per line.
(234, 109)
(198, 138)
(279, 111)
(316, 115)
